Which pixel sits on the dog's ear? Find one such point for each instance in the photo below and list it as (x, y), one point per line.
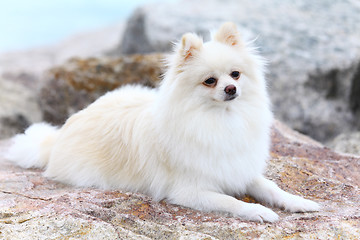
(191, 44)
(229, 34)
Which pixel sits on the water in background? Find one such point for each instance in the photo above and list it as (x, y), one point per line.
(26, 24)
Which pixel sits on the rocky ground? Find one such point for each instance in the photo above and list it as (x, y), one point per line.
(32, 207)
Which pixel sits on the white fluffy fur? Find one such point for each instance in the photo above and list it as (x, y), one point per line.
(181, 142)
(27, 149)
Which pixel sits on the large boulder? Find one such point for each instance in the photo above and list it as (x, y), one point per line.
(313, 50)
(33, 207)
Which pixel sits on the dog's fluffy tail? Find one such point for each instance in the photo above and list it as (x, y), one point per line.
(33, 148)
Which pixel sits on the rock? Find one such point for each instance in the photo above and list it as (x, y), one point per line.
(347, 143)
(18, 107)
(21, 73)
(34, 207)
(313, 51)
(355, 95)
(75, 84)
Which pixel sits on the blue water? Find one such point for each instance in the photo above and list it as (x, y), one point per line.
(31, 23)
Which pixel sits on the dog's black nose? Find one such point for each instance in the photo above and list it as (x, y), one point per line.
(230, 90)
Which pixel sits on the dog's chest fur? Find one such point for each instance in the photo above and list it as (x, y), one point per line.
(223, 152)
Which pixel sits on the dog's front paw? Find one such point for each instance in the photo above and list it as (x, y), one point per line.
(299, 204)
(258, 213)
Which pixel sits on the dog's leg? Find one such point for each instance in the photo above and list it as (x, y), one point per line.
(268, 192)
(213, 201)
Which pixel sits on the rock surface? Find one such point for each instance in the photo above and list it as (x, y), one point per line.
(33, 207)
(70, 87)
(347, 143)
(18, 107)
(313, 50)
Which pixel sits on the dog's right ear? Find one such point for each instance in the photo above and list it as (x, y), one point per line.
(191, 44)
(229, 34)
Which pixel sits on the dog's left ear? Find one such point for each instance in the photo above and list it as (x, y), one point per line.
(229, 34)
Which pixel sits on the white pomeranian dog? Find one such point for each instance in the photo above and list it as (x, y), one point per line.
(198, 140)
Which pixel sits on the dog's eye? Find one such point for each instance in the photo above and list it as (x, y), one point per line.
(235, 75)
(210, 82)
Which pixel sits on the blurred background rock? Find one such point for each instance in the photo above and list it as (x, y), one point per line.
(312, 48)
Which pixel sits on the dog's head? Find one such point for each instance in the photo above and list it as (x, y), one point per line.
(222, 70)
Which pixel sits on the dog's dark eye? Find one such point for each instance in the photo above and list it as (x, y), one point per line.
(235, 75)
(210, 82)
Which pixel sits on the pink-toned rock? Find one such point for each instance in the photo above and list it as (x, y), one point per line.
(33, 207)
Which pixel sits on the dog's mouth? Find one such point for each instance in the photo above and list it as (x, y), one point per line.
(230, 97)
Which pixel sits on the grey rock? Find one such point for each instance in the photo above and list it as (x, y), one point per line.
(355, 96)
(18, 105)
(347, 143)
(136, 40)
(313, 50)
